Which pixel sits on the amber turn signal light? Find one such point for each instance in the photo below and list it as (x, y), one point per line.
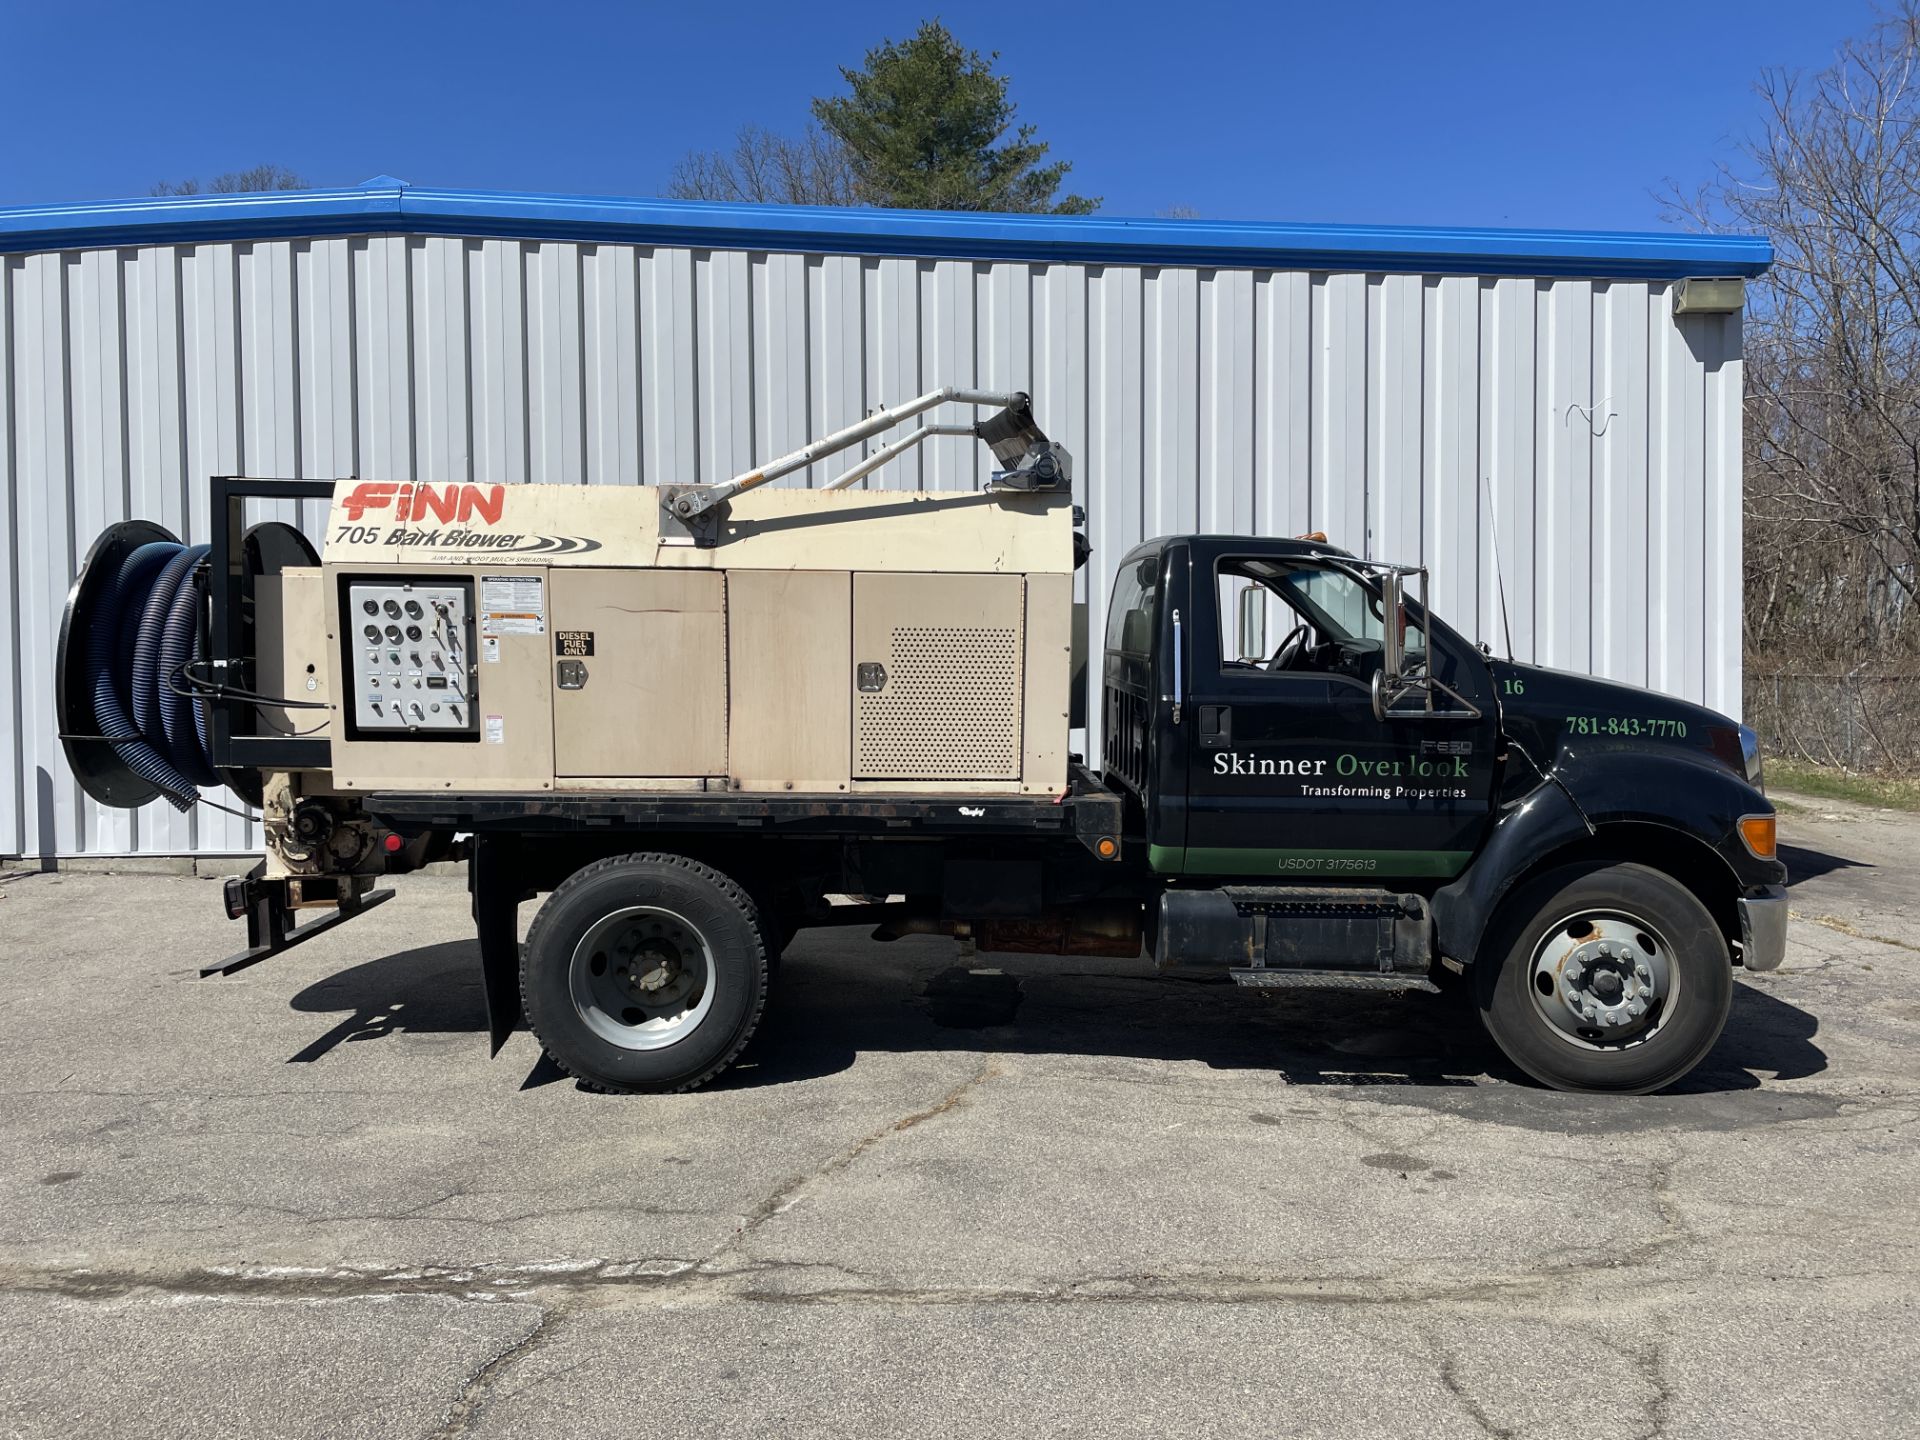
(1758, 832)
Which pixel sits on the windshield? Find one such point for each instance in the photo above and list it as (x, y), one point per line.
(1339, 606)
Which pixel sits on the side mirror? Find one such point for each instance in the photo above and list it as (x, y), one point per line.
(1252, 627)
(1393, 619)
(1397, 680)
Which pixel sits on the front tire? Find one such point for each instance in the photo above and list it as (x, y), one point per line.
(645, 973)
(1605, 978)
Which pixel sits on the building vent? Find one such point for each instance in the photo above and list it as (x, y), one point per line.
(948, 709)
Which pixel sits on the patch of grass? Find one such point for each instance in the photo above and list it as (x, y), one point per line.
(1800, 778)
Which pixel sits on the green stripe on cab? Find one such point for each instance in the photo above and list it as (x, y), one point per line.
(1202, 860)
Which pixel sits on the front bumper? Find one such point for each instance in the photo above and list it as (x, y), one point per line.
(1763, 928)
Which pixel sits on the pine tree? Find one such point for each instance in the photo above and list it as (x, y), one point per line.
(925, 129)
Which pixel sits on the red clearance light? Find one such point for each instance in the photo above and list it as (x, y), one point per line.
(393, 843)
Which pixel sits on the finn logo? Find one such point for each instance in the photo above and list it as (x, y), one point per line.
(417, 502)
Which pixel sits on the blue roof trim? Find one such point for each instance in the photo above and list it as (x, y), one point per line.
(1238, 244)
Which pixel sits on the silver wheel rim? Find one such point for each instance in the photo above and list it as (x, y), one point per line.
(642, 978)
(1604, 980)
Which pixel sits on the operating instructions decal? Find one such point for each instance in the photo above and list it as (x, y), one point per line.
(512, 605)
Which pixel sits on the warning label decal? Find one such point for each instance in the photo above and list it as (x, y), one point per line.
(512, 605)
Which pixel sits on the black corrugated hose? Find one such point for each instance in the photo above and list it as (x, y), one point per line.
(146, 628)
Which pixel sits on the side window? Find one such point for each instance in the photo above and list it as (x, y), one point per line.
(1253, 620)
(1130, 621)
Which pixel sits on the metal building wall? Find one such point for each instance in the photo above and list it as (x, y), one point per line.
(1403, 414)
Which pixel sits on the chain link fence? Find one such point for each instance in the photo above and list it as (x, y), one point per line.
(1862, 722)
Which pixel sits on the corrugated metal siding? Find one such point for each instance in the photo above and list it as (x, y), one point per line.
(1402, 414)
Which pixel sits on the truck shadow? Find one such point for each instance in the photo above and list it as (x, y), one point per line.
(1803, 864)
(839, 996)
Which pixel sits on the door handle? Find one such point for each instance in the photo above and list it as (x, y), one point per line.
(1216, 725)
(1178, 689)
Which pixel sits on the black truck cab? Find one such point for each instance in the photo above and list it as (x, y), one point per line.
(1311, 759)
(1269, 759)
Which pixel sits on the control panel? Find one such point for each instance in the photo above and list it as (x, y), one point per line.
(409, 646)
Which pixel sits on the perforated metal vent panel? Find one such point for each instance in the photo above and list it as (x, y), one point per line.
(950, 706)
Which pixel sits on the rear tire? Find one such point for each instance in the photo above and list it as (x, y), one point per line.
(645, 973)
(1604, 978)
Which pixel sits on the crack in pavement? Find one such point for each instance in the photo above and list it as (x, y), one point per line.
(478, 1387)
(792, 1190)
(1450, 1377)
(551, 1281)
(1648, 1362)
(1845, 927)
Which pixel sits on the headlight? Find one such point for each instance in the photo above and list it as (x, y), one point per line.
(1750, 758)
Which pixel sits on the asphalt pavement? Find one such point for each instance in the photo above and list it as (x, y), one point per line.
(992, 1196)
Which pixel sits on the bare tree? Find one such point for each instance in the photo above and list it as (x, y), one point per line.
(236, 182)
(1832, 347)
(768, 169)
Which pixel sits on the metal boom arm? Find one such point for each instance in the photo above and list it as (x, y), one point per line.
(690, 502)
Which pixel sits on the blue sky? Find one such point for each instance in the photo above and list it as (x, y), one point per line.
(1543, 114)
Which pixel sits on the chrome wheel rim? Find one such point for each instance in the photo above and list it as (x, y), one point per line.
(642, 978)
(1604, 980)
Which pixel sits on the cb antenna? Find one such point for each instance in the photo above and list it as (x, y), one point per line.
(1499, 573)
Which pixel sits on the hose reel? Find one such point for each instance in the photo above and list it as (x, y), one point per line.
(135, 712)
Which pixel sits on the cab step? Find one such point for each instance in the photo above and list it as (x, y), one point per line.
(1330, 980)
(1328, 936)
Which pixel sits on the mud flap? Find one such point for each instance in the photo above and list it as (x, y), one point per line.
(497, 894)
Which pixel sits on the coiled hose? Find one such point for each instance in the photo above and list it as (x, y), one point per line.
(145, 627)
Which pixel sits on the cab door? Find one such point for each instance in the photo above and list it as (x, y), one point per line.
(1290, 774)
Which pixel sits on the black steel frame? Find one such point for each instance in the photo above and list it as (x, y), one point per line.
(241, 747)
